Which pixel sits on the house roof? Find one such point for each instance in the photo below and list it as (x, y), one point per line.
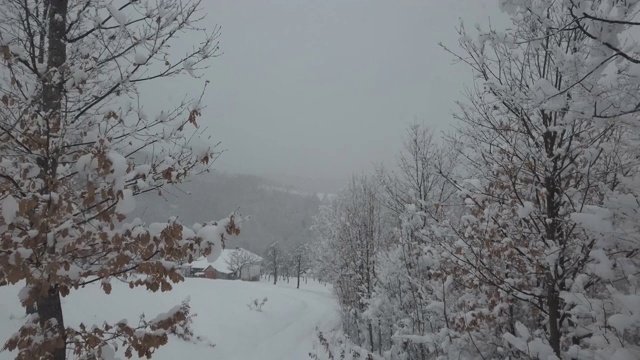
(221, 262)
(258, 258)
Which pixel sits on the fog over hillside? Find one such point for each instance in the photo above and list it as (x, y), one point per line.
(307, 183)
(277, 212)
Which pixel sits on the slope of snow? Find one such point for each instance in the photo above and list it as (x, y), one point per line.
(285, 329)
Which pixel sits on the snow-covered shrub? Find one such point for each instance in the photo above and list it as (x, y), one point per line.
(337, 347)
(256, 304)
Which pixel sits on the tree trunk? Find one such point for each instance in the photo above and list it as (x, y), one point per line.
(57, 56)
(553, 302)
(379, 337)
(50, 308)
(552, 233)
(373, 350)
(298, 271)
(31, 309)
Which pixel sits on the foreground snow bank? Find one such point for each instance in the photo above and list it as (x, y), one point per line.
(284, 329)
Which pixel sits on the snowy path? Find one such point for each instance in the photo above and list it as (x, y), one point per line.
(285, 329)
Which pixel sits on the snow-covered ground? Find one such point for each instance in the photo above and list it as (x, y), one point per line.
(285, 329)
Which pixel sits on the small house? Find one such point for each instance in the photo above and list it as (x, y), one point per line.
(231, 264)
(246, 264)
(204, 269)
(251, 272)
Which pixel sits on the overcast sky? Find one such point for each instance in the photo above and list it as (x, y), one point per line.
(321, 89)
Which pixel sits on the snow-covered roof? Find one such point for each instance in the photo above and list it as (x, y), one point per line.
(203, 263)
(258, 258)
(221, 262)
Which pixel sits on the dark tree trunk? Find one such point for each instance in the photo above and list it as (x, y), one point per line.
(371, 337)
(298, 271)
(379, 338)
(553, 302)
(50, 308)
(31, 309)
(554, 234)
(275, 275)
(57, 56)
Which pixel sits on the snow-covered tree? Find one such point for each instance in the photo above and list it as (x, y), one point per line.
(417, 179)
(300, 262)
(273, 259)
(538, 254)
(542, 245)
(287, 265)
(408, 297)
(325, 266)
(609, 49)
(609, 26)
(351, 232)
(77, 146)
(240, 259)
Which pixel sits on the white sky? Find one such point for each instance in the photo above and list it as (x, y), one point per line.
(321, 89)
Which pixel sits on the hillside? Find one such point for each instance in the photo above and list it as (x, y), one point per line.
(276, 213)
(283, 330)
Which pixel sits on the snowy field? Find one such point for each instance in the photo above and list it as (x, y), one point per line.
(285, 329)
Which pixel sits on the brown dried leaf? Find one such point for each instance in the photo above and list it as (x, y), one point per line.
(107, 288)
